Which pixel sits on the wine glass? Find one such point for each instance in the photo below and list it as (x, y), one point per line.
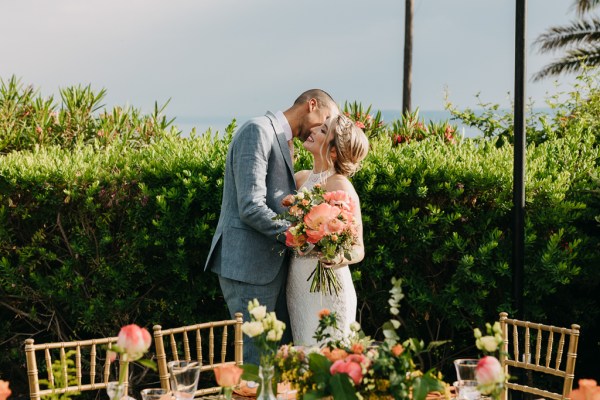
(184, 378)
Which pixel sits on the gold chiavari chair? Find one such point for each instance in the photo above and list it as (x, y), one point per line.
(90, 369)
(198, 343)
(548, 355)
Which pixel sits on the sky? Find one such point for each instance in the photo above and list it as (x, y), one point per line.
(220, 59)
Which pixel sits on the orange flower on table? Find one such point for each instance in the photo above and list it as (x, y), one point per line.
(358, 348)
(4, 390)
(397, 350)
(588, 390)
(228, 375)
(335, 354)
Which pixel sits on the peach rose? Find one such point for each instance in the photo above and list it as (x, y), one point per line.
(288, 200)
(228, 375)
(588, 390)
(4, 390)
(324, 312)
(133, 341)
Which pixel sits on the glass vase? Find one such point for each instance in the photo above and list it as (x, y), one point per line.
(116, 390)
(266, 374)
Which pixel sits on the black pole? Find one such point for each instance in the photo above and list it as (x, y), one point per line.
(519, 160)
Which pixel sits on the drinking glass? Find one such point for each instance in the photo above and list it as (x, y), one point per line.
(465, 369)
(154, 394)
(466, 390)
(184, 378)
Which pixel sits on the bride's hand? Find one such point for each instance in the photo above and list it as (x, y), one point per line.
(336, 262)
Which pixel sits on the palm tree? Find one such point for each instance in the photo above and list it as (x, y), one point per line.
(580, 40)
(408, 39)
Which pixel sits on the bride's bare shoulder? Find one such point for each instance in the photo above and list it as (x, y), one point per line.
(340, 182)
(301, 177)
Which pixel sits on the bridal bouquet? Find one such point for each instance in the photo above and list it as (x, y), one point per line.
(322, 222)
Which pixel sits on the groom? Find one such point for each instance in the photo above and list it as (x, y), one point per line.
(248, 251)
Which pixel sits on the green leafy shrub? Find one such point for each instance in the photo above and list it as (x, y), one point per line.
(94, 235)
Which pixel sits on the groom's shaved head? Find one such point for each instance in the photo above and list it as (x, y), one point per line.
(323, 98)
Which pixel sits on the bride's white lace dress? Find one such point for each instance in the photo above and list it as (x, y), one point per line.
(304, 306)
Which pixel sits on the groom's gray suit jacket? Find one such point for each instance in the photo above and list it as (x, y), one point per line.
(258, 174)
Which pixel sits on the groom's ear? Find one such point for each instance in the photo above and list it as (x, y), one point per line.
(312, 105)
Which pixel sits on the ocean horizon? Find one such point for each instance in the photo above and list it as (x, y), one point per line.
(218, 124)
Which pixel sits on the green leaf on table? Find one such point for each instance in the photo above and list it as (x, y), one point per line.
(250, 372)
(341, 387)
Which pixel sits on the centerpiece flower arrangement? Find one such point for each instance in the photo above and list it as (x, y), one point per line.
(322, 222)
(355, 368)
(266, 331)
(489, 372)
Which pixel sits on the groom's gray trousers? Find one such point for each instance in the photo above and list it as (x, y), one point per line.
(237, 294)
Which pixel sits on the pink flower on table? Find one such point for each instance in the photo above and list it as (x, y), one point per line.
(352, 366)
(489, 370)
(133, 341)
(4, 390)
(228, 375)
(588, 390)
(489, 374)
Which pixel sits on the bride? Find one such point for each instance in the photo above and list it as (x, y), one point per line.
(338, 146)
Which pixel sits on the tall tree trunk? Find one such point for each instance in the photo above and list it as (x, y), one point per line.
(408, 40)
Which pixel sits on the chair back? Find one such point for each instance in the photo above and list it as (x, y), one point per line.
(198, 343)
(89, 371)
(548, 355)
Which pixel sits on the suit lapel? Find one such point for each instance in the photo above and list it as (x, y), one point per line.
(283, 145)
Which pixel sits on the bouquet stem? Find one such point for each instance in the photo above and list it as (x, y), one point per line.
(324, 280)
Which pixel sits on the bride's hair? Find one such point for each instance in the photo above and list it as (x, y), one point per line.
(350, 143)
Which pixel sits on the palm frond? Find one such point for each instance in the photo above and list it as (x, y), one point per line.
(558, 37)
(584, 6)
(574, 61)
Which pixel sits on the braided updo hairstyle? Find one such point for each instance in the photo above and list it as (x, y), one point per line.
(351, 145)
